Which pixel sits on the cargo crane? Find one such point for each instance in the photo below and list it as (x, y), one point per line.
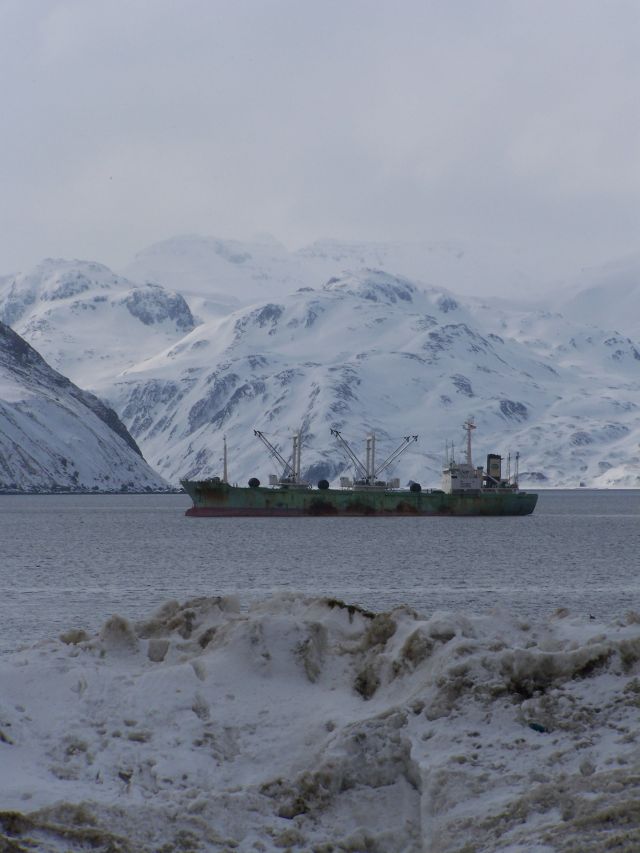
(290, 469)
(367, 474)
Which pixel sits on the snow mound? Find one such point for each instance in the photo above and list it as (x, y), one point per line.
(310, 724)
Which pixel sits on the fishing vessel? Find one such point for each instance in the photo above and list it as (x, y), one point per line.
(466, 490)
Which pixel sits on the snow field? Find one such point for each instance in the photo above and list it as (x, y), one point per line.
(310, 724)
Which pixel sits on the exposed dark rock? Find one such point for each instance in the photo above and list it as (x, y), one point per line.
(207, 408)
(375, 286)
(581, 438)
(153, 304)
(515, 411)
(446, 304)
(462, 385)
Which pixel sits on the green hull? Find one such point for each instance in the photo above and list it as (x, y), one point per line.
(214, 498)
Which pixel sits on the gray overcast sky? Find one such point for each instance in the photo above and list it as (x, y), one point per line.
(128, 121)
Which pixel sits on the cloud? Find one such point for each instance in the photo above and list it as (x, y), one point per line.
(130, 121)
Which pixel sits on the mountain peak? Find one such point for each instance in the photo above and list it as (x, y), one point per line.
(374, 285)
(69, 302)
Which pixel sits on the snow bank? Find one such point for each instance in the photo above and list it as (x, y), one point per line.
(310, 724)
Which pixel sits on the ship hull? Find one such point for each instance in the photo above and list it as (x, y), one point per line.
(217, 499)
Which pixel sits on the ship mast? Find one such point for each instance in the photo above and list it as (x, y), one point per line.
(297, 445)
(225, 478)
(371, 458)
(469, 426)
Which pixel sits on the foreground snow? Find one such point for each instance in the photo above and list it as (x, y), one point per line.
(307, 724)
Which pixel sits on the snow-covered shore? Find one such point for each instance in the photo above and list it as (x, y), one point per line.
(309, 724)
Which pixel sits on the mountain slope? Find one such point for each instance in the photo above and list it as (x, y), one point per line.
(608, 295)
(56, 437)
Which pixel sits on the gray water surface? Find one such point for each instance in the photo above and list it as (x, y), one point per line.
(71, 561)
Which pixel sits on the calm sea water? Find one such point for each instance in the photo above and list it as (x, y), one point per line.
(69, 561)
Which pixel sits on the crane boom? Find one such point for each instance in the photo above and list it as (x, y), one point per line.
(368, 473)
(360, 468)
(406, 441)
(288, 470)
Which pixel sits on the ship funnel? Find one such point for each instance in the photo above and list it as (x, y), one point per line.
(494, 466)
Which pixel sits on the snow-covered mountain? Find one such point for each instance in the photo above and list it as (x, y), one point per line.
(56, 437)
(372, 351)
(87, 321)
(216, 276)
(356, 350)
